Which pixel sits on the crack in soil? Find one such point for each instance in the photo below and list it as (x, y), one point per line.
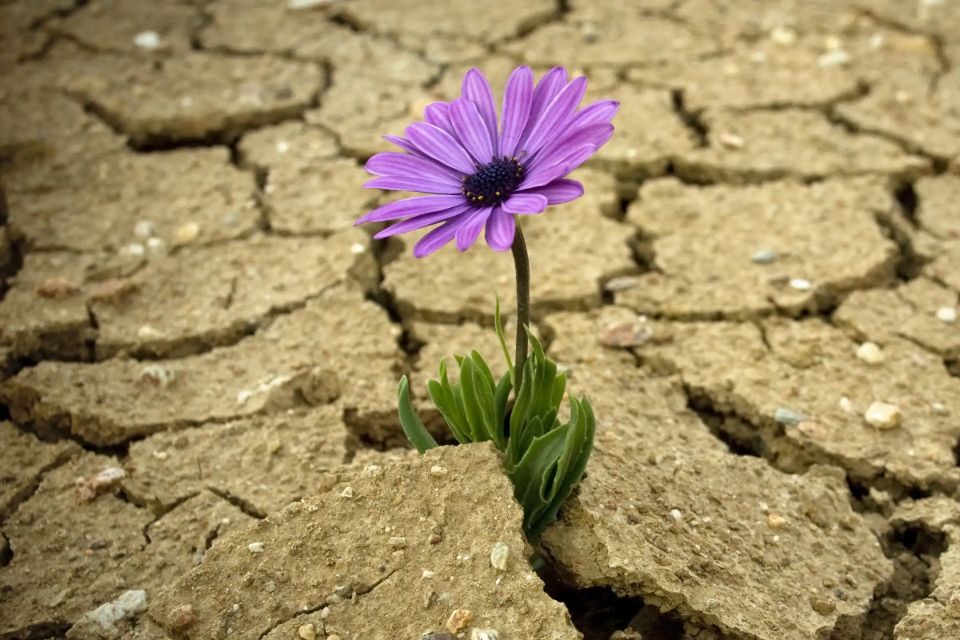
(339, 595)
(915, 551)
(244, 506)
(31, 489)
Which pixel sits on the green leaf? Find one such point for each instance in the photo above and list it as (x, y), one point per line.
(471, 401)
(483, 383)
(449, 404)
(412, 427)
(498, 325)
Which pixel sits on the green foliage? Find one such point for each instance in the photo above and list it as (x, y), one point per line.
(543, 457)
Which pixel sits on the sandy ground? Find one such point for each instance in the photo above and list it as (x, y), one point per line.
(199, 352)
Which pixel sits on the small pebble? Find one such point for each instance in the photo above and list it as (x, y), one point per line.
(282, 146)
(148, 333)
(484, 634)
(427, 574)
(157, 375)
(398, 542)
(834, 58)
(822, 605)
(621, 283)
(731, 140)
(186, 233)
(270, 587)
(870, 352)
(347, 492)
(134, 249)
(811, 429)
(764, 256)
(947, 314)
(788, 417)
(499, 556)
(438, 471)
(255, 547)
(156, 246)
(776, 521)
(55, 288)
(333, 636)
(883, 415)
(182, 617)
(846, 404)
(783, 35)
(799, 284)
(675, 515)
(459, 620)
(143, 229)
(148, 40)
(357, 248)
(307, 631)
(626, 334)
(939, 409)
(307, 4)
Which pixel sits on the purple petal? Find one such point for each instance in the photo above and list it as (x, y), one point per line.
(413, 183)
(501, 227)
(438, 114)
(419, 222)
(476, 89)
(556, 117)
(517, 98)
(558, 191)
(547, 89)
(440, 145)
(471, 130)
(592, 134)
(393, 163)
(438, 237)
(546, 173)
(410, 207)
(469, 231)
(597, 112)
(525, 203)
(404, 144)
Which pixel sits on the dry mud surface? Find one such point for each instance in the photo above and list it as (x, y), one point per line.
(198, 351)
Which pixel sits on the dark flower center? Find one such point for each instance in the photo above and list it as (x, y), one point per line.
(494, 182)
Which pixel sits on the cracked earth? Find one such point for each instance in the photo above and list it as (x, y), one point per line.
(198, 351)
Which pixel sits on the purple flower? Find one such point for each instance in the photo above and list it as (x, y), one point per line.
(477, 177)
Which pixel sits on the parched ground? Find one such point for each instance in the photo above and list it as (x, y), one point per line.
(199, 352)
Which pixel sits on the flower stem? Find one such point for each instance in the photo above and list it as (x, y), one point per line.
(522, 264)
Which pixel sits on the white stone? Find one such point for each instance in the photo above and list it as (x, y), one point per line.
(834, 58)
(255, 547)
(883, 415)
(783, 35)
(499, 556)
(357, 248)
(870, 352)
(128, 605)
(143, 229)
(947, 314)
(675, 515)
(437, 471)
(800, 284)
(307, 4)
(148, 40)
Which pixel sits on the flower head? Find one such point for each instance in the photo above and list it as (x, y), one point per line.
(478, 176)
